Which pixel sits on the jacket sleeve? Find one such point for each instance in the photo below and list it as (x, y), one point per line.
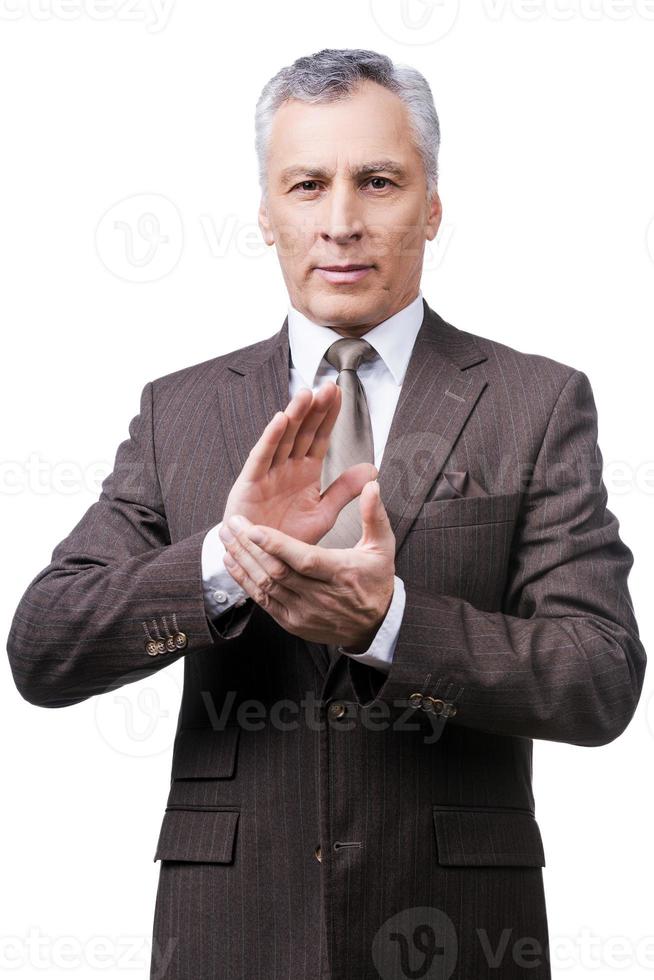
(118, 601)
(562, 660)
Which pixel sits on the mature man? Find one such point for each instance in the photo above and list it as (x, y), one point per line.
(383, 588)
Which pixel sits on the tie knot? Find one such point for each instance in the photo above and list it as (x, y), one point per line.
(347, 353)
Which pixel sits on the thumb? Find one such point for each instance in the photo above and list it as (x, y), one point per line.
(376, 527)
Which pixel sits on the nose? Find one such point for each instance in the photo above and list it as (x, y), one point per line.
(341, 220)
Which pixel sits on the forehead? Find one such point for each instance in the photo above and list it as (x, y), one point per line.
(372, 123)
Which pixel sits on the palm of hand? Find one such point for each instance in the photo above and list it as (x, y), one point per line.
(287, 497)
(279, 485)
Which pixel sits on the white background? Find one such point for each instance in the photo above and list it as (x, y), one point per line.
(547, 244)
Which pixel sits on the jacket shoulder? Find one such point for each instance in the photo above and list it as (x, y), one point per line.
(210, 371)
(515, 367)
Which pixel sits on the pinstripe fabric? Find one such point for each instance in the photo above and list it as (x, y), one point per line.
(518, 613)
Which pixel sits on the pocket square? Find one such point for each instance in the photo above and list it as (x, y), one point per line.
(457, 483)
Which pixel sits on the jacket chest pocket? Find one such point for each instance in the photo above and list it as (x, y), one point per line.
(461, 547)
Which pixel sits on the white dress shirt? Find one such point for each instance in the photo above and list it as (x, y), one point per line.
(382, 378)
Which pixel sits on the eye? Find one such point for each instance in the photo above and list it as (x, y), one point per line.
(386, 179)
(302, 186)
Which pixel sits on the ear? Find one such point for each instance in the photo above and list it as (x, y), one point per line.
(434, 216)
(264, 223)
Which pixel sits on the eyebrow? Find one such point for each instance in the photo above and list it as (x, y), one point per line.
(309, 172)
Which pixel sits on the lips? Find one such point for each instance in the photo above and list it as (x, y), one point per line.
(343, 274)
(342, 268)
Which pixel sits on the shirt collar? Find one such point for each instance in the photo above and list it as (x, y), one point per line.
(393, 339)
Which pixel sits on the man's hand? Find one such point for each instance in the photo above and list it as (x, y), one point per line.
(328, 595)
(279, 486)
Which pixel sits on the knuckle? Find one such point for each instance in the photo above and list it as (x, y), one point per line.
(308, 563)
(280, 571)
(264, 582)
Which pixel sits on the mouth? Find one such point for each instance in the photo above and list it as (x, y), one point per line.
(343, 273)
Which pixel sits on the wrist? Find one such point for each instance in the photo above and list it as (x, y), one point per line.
(362, 643)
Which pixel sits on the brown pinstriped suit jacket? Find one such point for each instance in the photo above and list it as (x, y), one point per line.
(348, 824)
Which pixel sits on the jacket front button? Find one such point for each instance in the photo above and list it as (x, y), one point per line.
(180, 640)
(318, 853)
(336, 710)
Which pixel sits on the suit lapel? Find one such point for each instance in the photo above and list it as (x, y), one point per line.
(435, 402)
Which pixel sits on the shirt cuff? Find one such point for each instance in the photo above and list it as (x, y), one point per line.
(220, 590)
(380, 652)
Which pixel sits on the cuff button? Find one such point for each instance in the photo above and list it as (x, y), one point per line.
(434, 704)
(180, 640)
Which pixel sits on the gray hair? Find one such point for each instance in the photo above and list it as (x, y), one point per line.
(335, 73)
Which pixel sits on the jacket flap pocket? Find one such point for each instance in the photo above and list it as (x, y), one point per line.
(205, 753)
(197, 835)
(487, 836)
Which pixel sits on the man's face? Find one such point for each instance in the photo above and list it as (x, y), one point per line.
(322, 210)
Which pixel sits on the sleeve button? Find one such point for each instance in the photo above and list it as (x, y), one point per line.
(434, 704)
(180, 640)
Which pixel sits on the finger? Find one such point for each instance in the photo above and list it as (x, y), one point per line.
(323, 405)
(252, 558)
(346, 487)
(310, 560)
(261, 455)
(296, 411)
(376, 527)
(267, 601)
(323, 433)
(262, 575)
(265, 571)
